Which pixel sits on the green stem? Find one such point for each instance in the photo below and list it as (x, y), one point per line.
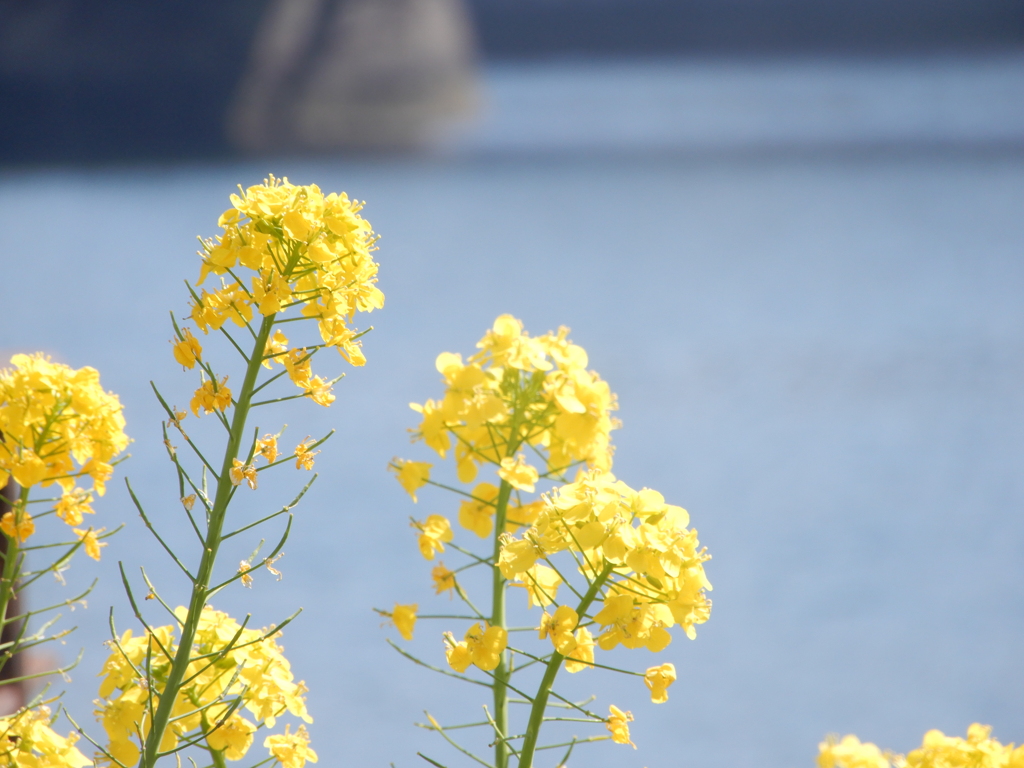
(540, 701)
(10, 572)
(201, 588)
(501, 672)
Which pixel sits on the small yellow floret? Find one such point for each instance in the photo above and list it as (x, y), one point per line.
(211, 397)
(303, 456)
(617, 724)
(241, 471)
(188, 350)
(517, 473)
(412, 475)
(482, 646)
(404, 619)
(559, 628)
(658, 679)
(90, 541)
(434, 531)
(291, 749)
(582, 656)
(444, 579)
(18, 525)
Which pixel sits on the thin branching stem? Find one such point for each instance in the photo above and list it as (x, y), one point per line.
(540, 701)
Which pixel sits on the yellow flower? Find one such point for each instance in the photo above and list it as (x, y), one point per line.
(267, 448)
(850, 753)
(298, 364)
(291, 750)
(29, 741)
(233, 736)
(277, 345)
(434, 531)
(582, 656)
(522, 515)
(617, 724)
(90, 541)
(73, 505)
(188, 350)
(189, 501)
(211, 397)
(100, 472)
(567, 408)
(27, 469)
(541, 584)
(658, 679)
(444, 580)
(304, 248)
(432, 429)
(241, 471)
(319, 391)
(18, 525)
(978, 750)
(336, 334)
(253, 673)
(559, 628)
(270, 292)
(303, 456)
(517, 557)
(413, 475)
(404, 619)
(476, 514)
(482, 646)
(53, 417)
(635, 626)
(517, 473)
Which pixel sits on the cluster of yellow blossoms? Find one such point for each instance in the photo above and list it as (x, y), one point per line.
(567, 409)
(28, 742)
(481, 647)
(57, 425)
(233, 669)
(516, 397)
(658, 577)
(306, 249)
(978, 750)
(52, 417)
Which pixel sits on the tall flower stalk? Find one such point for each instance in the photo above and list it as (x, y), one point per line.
(517, 404)
(58, 428)
(287, 253)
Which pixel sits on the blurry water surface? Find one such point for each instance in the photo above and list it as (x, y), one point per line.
(820, 355)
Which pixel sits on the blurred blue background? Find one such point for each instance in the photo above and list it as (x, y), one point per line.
(796, 259)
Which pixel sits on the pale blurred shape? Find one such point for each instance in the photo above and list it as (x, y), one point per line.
(359, 74)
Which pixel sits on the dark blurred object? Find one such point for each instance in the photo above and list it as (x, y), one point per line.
(86, 81)
(354, 74)
(123, 80)
(540, 28)
(12, 695)
(119, 79)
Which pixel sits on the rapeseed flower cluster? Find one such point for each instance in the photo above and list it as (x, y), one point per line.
(57, 425)
(234, 670)
(482, 647)
(302, 248)
(53, 418)
(978, 750)
(27, 741)
(849, 752)
(657, 579)
(529, 408)
(518, 390)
